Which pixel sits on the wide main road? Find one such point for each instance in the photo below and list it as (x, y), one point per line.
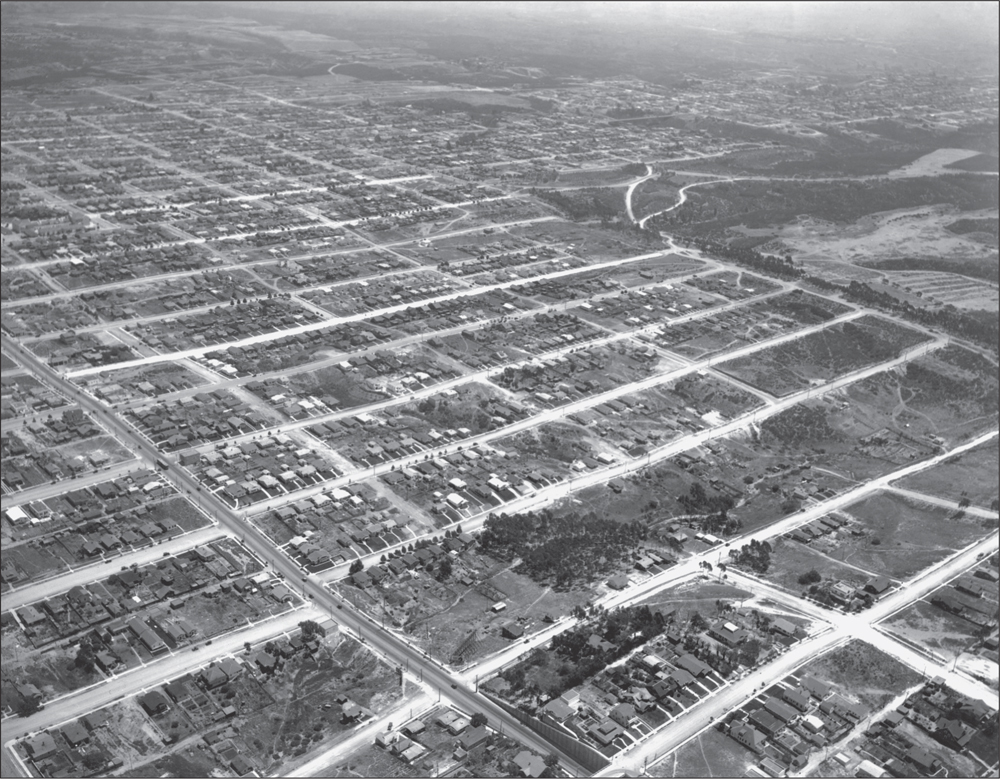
(362, 316)
(391, 647)
(563, 489)
(846, 628)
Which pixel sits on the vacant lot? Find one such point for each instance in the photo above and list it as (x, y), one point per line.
(948, 395)
(710, 754)
(869, 673)
(903, 536)
(371, 760)
(926, 625)
(971, 475)
(824, 355)
(768, 203)
(696, 597)
(296, 721)
(852, 440)
(791, 559)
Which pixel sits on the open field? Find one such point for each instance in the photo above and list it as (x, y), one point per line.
(949, 396)
(868, 673)
(711, 753)
(451, 616)
(971, 475)
(853, 441)
(926, 625)
(766, 203)
(910, 535)
(823, 355)
(791, 559)
(700, 596)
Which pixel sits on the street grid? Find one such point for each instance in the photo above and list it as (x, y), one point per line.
(455, 686)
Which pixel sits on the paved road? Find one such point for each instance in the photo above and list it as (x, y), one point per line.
(631, 189)
(145, 677)
(86, 574)
(846, 627)
(46, 491)
(398, 650)
(326, 762)
(560, 412)
(686, 569)
(391, 647)
(562, 489)
(332, 321)
(682, 198)
(464, 378)
(975, 511)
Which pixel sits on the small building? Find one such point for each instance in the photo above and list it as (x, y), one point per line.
(154, 702)
(728, 634)
(878, 585)
(812, 723)
(815, 687)
(266, 662)
(512, 630)
(75, 734)
(748, 736)
(867, 768)
(693, 665)
(605, 732)
(781, 710)
(475, 737)
(618, 582)
(40, 747)
(558, 710)
(796, 698)
(766, 722)
(528, 764)
(623, 714)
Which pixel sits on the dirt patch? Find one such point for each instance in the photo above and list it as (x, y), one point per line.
(869, 673)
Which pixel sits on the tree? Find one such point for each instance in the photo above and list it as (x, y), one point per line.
(551, 760)
(28, 706)
(356, 567)
(309, 628)
(93, 760)
(810, 577)
(698, 622)
(445, 570)
(85, 656)
(478, 720)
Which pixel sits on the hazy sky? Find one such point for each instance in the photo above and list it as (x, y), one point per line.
(887, 21)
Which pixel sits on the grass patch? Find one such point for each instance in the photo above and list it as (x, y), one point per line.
(869, 673)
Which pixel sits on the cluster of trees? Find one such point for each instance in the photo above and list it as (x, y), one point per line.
(767, 264)
(720, 524)
(697, 501)
(810, 577)
(980, 327)
(562, 549)
(596, 203)
(756, 556)
(309, 628)
(86, 654)
(624, 628)
(457, 414)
